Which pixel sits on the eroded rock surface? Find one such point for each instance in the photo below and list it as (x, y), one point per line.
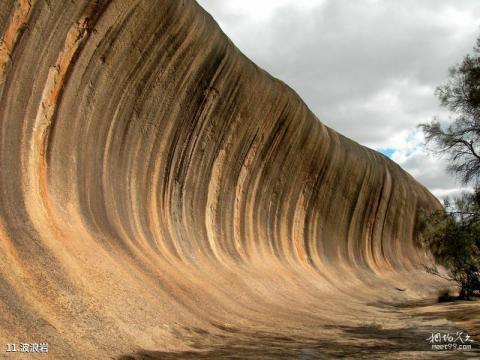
(159, 191)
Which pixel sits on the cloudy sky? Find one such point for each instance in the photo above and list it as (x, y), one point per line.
(367, 68)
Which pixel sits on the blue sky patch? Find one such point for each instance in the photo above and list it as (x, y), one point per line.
(387, 151)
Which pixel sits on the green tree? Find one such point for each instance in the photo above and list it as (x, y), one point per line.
(453, 234)
(453, 237)
(460, 139)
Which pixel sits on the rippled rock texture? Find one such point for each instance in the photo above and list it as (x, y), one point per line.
(159, 191)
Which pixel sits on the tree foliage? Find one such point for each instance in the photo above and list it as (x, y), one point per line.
(453, 237)
(460, 140)
(453, 234)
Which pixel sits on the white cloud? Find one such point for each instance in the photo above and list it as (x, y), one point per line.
(263, 10)
(428, 169)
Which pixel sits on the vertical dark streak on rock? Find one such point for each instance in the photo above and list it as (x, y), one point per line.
(158, 190)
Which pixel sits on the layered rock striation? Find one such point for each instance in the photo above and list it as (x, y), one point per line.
(153, 180)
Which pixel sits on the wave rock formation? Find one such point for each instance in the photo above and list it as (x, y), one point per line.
(156, 187)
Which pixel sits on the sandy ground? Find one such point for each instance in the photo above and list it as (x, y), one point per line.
(371, 341)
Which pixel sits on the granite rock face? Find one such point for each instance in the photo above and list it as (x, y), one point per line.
(153, 180)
